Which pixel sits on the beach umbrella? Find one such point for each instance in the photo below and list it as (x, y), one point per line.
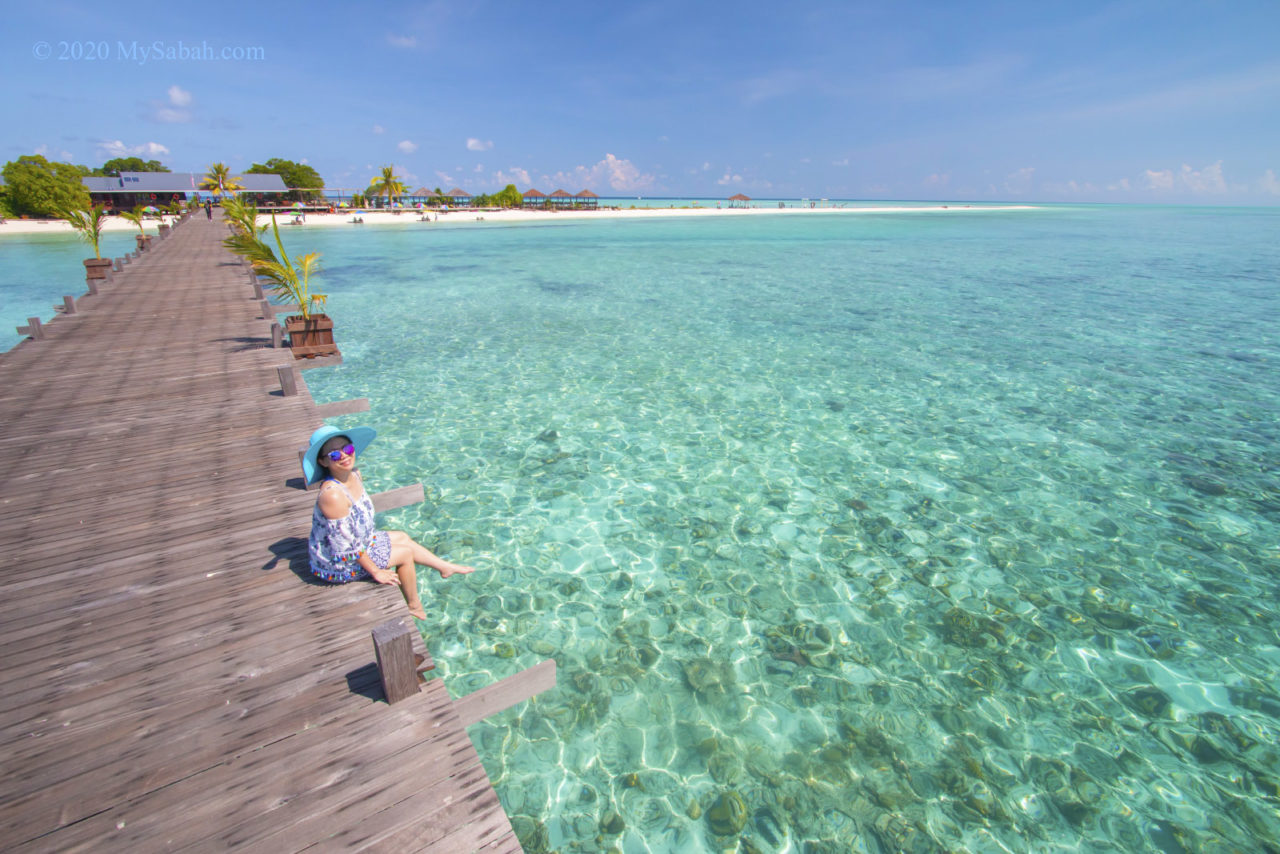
(151, 209)
(298, 205)
(343, 205)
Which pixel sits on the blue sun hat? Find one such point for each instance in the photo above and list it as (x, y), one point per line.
(359, 436)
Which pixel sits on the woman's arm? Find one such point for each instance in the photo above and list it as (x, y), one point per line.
(335, 507)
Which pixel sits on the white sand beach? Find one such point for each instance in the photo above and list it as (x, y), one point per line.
(469, 217)
(465, 216)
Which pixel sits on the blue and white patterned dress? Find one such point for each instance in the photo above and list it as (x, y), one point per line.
(336, 544)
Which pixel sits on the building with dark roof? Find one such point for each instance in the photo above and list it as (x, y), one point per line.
(130, 190)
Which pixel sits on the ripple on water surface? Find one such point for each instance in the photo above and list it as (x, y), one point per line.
(855, 533)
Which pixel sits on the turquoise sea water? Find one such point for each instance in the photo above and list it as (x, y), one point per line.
(952, 531)
(38, 270)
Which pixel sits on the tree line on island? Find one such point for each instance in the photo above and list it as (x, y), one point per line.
(37, 187)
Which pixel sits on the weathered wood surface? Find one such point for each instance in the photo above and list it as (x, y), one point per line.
(394, 499)
(505, 693)
(171, 676)
(393, 647)
(343, 407)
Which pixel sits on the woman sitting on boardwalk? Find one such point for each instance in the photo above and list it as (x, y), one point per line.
(345, 545)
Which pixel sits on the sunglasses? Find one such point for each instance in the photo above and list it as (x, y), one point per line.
(349, 450)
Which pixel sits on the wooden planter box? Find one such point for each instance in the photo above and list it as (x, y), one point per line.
(96, 268)
(312, 337)
(144, 243)
(164, 230)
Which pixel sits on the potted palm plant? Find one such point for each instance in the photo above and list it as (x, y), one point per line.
(289, 279)
(88, 225)
(135, 216)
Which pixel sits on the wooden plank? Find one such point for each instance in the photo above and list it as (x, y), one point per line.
(394, 499)
(343, 407)
(320, 362)
(506, 693)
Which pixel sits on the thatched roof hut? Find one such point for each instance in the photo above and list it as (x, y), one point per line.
(586, 199)
(534, 198)
(560, 199)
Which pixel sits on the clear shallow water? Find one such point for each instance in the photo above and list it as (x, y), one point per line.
(870, 533)
(38, 270)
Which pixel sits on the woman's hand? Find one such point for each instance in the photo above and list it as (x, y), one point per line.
(385, 576)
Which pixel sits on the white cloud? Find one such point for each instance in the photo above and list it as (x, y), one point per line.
(618, 174)
(1122, 185)
(843, 162)
(1020, 181)
(403, 41)
(729, 178)
(479, 168)
(474, 144)
(304, 161)
(1207, 180)
(515, 175)
(379, 129)
(407, 146)
(445, 180)
(938, 179)
(1270, 184)
(174, 110)
(116, 148)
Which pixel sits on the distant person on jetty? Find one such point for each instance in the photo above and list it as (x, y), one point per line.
(345, 545)
(208, 209)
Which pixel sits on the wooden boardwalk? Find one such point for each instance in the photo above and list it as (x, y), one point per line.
(171, 679)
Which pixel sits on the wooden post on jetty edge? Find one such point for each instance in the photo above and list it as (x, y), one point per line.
(400, 672)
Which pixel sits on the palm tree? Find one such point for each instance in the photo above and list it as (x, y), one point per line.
(88, 224)
(219, 178)
(289, 278)
(387, 184)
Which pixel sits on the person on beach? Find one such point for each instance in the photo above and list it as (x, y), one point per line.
(208, 209)
(344, 544)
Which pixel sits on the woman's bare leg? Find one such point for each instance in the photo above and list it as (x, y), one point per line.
(424, 556)
(402, 560)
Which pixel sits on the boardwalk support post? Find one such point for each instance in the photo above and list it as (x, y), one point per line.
(117, 264)
(92, 284)
(68, 305)
(32, 328)
(267, 312)
(257, 288)
(288, 383)
(393, 645)
(277, 336)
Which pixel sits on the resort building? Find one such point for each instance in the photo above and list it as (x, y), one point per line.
(586, 199)
(560, 199)
(534, 199)
(130, 190)
(459, 197)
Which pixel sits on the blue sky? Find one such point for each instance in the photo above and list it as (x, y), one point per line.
(1043, 101)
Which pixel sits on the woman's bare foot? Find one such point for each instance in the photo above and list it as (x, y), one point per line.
(419, 612)
(454, 569)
